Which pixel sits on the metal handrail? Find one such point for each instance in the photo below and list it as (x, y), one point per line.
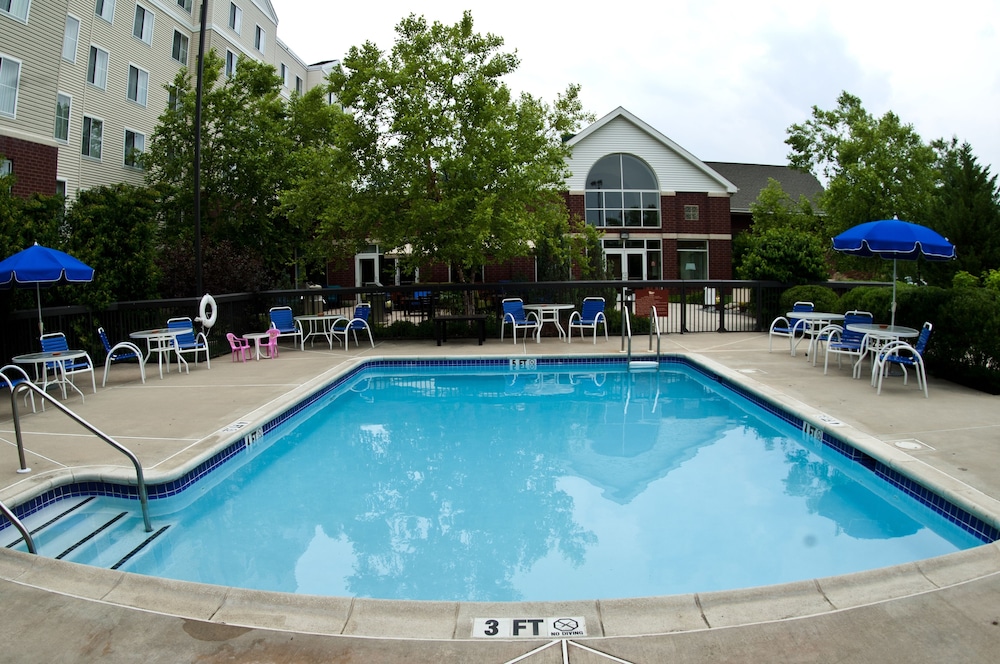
(140, 482)
(20, 527)
(654, 326)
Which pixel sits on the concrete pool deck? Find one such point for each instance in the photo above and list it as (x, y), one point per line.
(941, 609)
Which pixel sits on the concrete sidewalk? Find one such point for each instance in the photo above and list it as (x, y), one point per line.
(943, 609)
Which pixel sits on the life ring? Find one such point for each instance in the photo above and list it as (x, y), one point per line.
(209, 310)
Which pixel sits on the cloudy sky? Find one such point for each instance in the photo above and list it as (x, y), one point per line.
(724, 79)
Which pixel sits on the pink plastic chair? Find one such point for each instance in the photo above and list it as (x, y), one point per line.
(239, 346)
(271, 345)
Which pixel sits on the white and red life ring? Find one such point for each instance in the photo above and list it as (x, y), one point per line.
(209, 311)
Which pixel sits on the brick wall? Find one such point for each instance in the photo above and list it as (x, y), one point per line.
(34, 166)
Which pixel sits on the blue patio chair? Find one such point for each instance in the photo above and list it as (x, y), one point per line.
(790, 327)
(187, 343)
(56, 342)
(591, 316)
(123, 351)
(902, 354)
(11, 382)
(848, 342)
(342, 326)
(513, 315)
(283, 321)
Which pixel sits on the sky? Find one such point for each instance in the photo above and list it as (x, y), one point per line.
(721, 78)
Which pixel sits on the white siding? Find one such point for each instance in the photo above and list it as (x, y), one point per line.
(673, 171)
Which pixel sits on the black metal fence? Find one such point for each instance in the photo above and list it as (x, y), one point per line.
(403, 312)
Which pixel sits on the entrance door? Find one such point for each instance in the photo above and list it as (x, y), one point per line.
(626, 265)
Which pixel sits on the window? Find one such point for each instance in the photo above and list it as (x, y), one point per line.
(185, 5)
(622, 192)
(180, 50)
(284, 75)
(93, 134)
(135, 143)
(105, 9)
(230, 64)
(692, 259)
(10, 74)
(143, 26)
(61, 189)
(71, 38)
(63, 104)
(174, 98)
(235, 17)
(138, 84)
(298, 85)
(16, 8)
(6, 167)
(259, 39)
(690, 213)
(97, 67)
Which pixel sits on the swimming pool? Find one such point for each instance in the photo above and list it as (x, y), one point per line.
(631, 477)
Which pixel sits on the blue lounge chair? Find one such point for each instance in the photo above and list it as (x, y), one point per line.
(342, 326)
(513, 315)
(187, 343)
(11, 382)
(283, 321)
(123, 351)
(848, 342)
(591, 316)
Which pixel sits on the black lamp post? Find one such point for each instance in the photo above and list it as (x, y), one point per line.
(197, 149)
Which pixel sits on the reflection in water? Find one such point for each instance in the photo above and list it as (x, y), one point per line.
(535, 486)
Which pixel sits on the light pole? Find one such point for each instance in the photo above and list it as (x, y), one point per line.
(197, 149)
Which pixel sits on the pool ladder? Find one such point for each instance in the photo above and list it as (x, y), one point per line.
(23, 468)
(654, 328)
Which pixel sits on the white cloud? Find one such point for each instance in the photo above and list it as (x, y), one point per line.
(724, 79)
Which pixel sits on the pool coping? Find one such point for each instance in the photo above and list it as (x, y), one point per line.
(453, 620)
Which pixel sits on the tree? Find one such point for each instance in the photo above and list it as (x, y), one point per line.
(874, 167)
(437, 156)
(245, 158)
(784, 254)
(965, 208)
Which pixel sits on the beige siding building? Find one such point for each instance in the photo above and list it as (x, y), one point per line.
(83, 82)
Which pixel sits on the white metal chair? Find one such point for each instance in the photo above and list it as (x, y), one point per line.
(904, 355)
(591, 316)
(56, 342)
(342, 326)
(848, 342)
(123, 351)
(188, 343)
(283, 321)
(792, 328)
(513, 315)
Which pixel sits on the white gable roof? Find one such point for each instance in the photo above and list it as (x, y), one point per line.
(675, 168)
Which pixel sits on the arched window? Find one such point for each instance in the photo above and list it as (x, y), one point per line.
(622, 192)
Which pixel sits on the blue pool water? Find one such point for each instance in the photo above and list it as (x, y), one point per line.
(494, 485)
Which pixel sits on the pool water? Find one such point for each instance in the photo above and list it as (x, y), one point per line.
(482, 485)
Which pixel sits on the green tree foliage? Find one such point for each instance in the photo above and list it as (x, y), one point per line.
(113, 230)
(965, 208)
(246, 147)
(783, 254)
(775, 209)
(437, 155)
(874, 167)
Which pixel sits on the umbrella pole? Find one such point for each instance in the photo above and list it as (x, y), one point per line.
(38, 299)
(893, 317)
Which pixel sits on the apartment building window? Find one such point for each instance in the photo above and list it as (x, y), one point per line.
(142, 28)
(71, 38)
(135, 144)
(298, 85)
(10, 75)
(16, 8)
(6, 167)
(179, 52)
(235, 18)
(93, 137)
(63, 104)
(690, 213)
(185, 5)
(138, 85)
(259, 39)
(230, 64)
(284, 75)
(105, 9)
(97, 67)
(173, 98)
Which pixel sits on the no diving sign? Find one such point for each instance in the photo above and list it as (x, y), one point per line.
(562, 626)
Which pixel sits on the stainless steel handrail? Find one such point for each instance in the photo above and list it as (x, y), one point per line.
(20, 527)
(654, 326)
(140, 482)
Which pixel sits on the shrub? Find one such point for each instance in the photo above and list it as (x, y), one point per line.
(823, 298)
(963, 279)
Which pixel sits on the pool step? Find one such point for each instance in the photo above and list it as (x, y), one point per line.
(643, 365)
(77, 530)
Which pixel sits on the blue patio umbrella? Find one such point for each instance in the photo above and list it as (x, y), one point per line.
(895, 239)
(41, 266)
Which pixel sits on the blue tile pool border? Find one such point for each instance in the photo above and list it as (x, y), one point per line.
(937, 503)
